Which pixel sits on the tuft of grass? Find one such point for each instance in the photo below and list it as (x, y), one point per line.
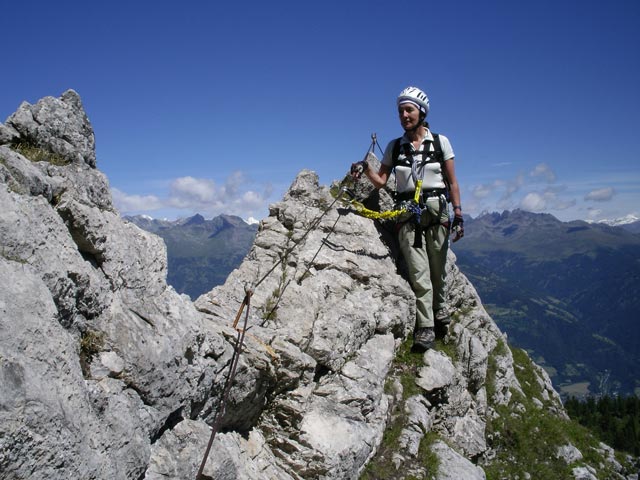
(448, 348)
(270, 308)
(38, 154)
(406, 366)
(526, 374)
(91, 343)
(322, 204)
(381, 466)
(429, 459)
(499, 350)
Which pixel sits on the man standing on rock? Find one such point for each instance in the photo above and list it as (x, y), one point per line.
(425, 183)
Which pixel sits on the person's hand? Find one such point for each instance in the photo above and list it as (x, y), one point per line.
(358, 168)
(458, 227)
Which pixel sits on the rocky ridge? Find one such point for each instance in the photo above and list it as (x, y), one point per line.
(107, 372)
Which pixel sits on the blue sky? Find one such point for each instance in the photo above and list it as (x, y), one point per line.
(214, 107)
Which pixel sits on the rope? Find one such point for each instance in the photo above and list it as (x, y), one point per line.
(405, 207)
(246, 302)
(221, 409)
(301, 277)
(360, 209)
(314, 224)
(363, 211)
(313, 259)
(372, 146)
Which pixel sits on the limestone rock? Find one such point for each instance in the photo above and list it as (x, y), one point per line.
(23, 176)
(8, 134)
(584, 473)
(178, 453)
(84, 294)
(437, 373)
(454, 466)
(107, 372)
(569, 454)
(419, 421)
(58, 125)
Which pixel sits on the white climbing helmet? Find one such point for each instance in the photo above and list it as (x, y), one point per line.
(417, 97)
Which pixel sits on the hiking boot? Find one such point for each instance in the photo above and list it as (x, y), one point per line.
(441, 330)
(423, 338)
(442, 316)
(442, 321)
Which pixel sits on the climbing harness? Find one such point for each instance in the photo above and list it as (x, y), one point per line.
(411, 205)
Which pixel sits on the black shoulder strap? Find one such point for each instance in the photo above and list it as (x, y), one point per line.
(437, 148)
(395, 153)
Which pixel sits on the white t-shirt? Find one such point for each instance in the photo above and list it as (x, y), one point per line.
(433, 177)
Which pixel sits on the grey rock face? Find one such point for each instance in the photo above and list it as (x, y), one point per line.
(584, 473)
(108, 373)
(59, 125)
(325, 301)
(92, 342)
(438, 372)
(569, 454)
(454, 466)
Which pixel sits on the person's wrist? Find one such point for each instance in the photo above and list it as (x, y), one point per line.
(457, 207)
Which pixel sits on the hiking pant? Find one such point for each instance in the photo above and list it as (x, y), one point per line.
(426, 264)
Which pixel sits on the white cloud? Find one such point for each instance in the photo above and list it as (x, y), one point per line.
(600, 195)
(545, 201)
(543, 171)
(252, 198)
(186, 190)
(564, 204)
(189, 195)
(524, 191)
(481, 191)
(534, 202)
(128, 203)
(268, 191)
(593, 214)
(538, 189)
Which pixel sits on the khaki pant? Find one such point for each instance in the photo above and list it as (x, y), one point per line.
(426, 265)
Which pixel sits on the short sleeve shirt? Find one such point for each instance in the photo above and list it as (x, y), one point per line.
(433, 177)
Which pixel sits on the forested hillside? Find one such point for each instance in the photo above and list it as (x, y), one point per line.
(615, 420)
(568, 292)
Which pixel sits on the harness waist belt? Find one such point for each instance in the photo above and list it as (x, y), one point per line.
(402, 196)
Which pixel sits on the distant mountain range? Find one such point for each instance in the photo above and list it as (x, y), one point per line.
(628, 222)
(201, 253)
(568, 292)
(633, 227)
